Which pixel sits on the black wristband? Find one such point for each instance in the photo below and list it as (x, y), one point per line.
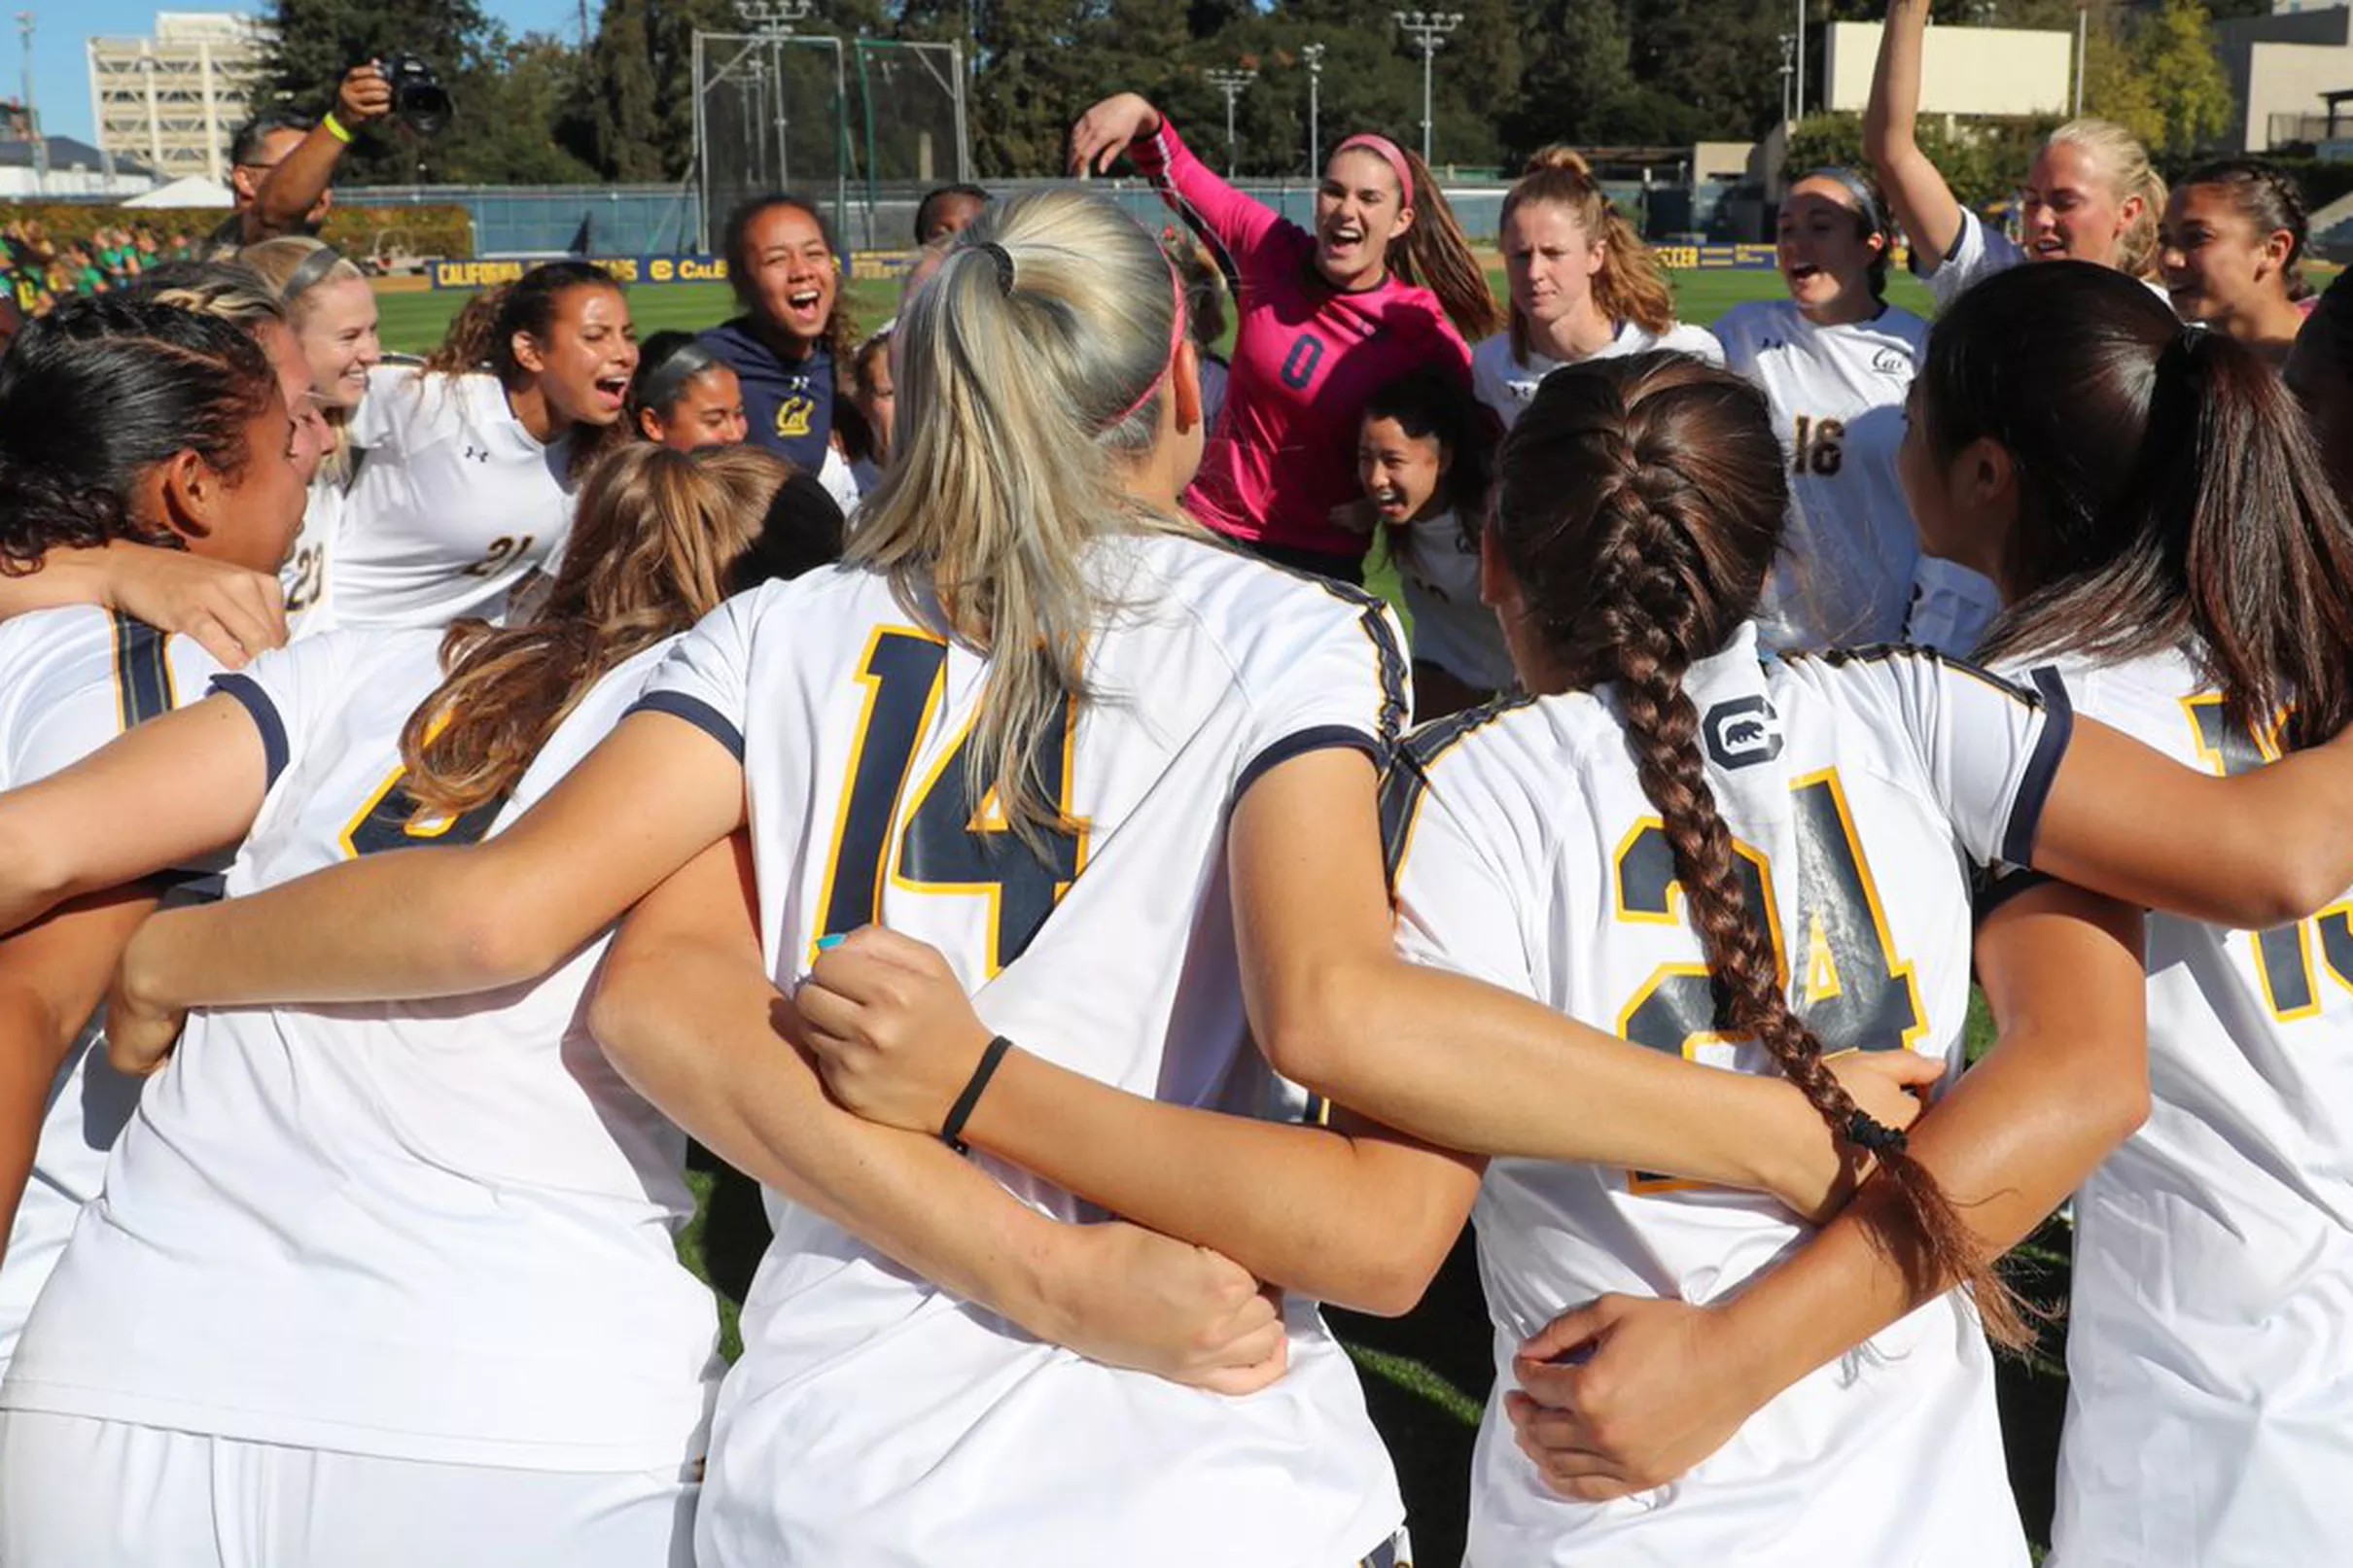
(951, 1131)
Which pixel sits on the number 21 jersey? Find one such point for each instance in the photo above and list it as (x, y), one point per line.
(1858, 789)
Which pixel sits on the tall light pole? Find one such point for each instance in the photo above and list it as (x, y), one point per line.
(1231, 84)
(32, 115)
(2082, 24)
(1799, 113)
(1428, 29)
(1312, 54)
(773, 21)
(1789, 52)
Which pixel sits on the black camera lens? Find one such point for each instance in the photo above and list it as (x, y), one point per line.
(419, 101)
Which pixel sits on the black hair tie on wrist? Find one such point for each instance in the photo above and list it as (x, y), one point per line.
(951, 1131)
(1866, 1132)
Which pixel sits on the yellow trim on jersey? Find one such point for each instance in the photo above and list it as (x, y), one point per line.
(987, 816)
(873, 683)
(1898, 968)
(2268, 749)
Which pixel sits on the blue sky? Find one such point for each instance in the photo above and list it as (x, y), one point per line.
(61, 59)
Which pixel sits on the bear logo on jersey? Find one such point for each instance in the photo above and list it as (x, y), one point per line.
(1742, 732)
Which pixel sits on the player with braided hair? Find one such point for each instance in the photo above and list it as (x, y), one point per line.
(2231, 248)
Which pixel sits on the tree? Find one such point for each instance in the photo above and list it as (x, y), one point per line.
(2158, 75)
(626, 126)
(1578, 75)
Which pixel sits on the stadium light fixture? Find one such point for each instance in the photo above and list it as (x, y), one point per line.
(1231, 84)
(1312, 54)
(774, 19)
(1429, 30)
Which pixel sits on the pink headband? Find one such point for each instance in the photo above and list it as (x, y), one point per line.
(1176, 341)
(1388, 152)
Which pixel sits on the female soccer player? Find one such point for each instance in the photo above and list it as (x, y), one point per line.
(2090, 194)
(684, 396)
(1835, 360)
(2231, 250)
(1384, 286)
(432, 1309)
(2176, 566)
(926, 716)
(332, 314)
(1583, 285)
(1425, 456)
(474, 460)
(1641, 504)
(1052, 419)
(791, 347)
(122, 419)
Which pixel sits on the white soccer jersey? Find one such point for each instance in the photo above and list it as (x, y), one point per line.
(76, 679)
(1438, 569)
(454, 505)
(1952, 606)
(434, 1230)
(2210, 1330)
(1506, 384)
(875, 1419)
(308, 576)
(1528, 855)
(1844, 574)
(1977, 252)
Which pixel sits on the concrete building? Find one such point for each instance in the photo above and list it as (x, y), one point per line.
(2281, 67)
(173, 101)
(1966, 72)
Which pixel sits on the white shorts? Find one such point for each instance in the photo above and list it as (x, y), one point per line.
(82, 1493)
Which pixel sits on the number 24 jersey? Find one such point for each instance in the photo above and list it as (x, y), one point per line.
(1859, 789)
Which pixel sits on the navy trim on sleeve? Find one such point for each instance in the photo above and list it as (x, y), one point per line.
(142, 683)
(697, 711)
(2042, 769)
(1320, 738)
(248, 694)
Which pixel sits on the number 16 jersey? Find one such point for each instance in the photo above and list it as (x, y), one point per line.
(874, 1419)
(1859, 788)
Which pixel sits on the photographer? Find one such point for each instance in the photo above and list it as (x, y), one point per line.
(291, 196)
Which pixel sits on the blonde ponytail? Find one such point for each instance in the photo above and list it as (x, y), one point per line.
(2126, 162)
(1031, 370)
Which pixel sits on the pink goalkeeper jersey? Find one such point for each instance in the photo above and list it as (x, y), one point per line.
(1307, 358)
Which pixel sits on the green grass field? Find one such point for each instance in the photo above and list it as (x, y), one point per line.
(413, 322)
(1427, 1376)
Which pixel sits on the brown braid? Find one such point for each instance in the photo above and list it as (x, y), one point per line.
(1641, 504)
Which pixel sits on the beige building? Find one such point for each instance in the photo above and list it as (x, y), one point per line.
(1965, 72)
(173, 101)
(2279, 66)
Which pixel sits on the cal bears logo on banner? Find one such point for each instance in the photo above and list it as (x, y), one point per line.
(624, 270)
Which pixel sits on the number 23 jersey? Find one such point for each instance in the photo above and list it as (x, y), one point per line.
(1859, 788)
(939, 1434)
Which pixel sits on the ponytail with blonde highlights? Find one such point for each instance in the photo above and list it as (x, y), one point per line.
(1631, 285)
(1031, 371)
(653, 548)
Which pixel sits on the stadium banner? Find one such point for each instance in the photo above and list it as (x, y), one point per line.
(625, 270)
(882, 267)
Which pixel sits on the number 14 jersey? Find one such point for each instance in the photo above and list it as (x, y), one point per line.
(1859, 789)
(873, 1418)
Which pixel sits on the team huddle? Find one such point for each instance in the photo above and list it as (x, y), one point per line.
(957, 779)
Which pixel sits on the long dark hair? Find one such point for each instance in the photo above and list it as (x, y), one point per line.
(2170, 495)
(1641, 501)
(95, 394)
(1435, 254)
(2267, 197)
(840, 335)
(481, 338)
